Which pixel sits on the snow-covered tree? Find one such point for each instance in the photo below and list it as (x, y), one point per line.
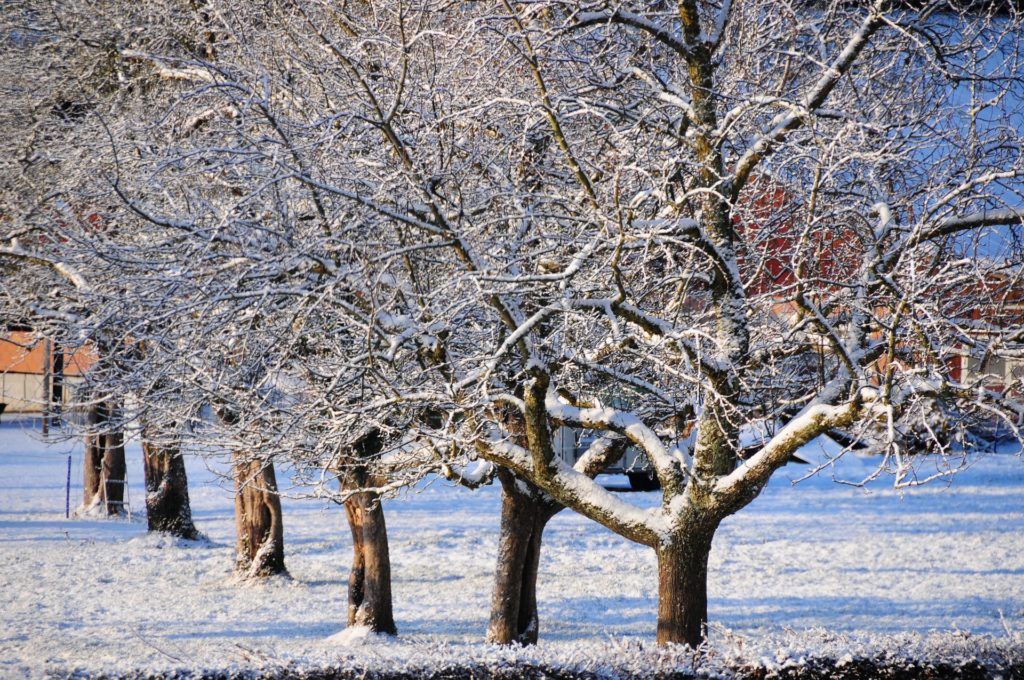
(715, 229)
(69, 92)
(776, 222)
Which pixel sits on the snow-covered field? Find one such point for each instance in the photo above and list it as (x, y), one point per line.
(805, 568)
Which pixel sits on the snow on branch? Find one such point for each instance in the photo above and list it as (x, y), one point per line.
(784, 123)
(659, 33)
(982, 218)
(578, 260)
(620, 376)
(577, 491)
(517, 338)
(667, 93)
(743, 483)
(62, 268)
(658, 327)
(164, 68)
(601, 453)
(380, 208)
(721, 21)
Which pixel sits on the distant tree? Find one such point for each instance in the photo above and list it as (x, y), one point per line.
(104, 469)
(67, 96)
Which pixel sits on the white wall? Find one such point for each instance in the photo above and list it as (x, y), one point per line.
(23, 392)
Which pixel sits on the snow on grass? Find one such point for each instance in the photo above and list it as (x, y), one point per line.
(804, 569)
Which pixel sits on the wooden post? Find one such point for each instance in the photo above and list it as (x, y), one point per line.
(46, 387)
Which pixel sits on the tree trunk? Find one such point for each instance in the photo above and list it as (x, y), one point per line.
(525, 511)
(369, 583)
(683, 587)
(92, 466)
(104, 467)
(56, 397)
(259, 549)
(167, 503)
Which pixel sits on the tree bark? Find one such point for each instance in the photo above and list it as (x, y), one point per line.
(167, 503)
(683, 587)
(92, 467)
(104, 468)
(259, 548)
(56, 396)
(525, 511)
(369, 583)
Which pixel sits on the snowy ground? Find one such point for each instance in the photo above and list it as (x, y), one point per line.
(803, 568)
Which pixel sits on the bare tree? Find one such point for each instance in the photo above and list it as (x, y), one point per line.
(687, 315)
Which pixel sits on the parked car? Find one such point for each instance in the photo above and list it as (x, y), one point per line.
(570, 444)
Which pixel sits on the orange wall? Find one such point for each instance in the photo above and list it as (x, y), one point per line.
(23, 352)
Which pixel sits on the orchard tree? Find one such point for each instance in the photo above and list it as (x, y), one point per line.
(781, 217)
(69, 94)
(678, 224)
(701, 228)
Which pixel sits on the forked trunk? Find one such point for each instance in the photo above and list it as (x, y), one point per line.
(259, 549)
(167, 503)
(525, 511)
(369, 583)
(683, 587)
(104, 466)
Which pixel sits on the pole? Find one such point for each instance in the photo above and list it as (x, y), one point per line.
(67, 492)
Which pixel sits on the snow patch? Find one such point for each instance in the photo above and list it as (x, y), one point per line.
(355, 636)
(806, 571)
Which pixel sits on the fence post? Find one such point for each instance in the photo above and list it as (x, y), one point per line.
(67, 492)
